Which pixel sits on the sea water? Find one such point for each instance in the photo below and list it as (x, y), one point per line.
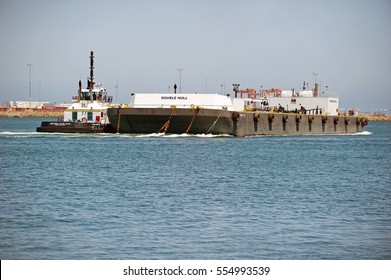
(107, 196)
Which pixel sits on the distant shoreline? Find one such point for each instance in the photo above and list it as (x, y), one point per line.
(378, 117)
(59, 114)
(32, 114)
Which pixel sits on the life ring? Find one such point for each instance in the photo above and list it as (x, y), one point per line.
(256, 116)
(84, 119)
(235, 116)
(270, 118)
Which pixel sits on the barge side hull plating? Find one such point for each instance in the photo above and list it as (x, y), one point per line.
(151, 120)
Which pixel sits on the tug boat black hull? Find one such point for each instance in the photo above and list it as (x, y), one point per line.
(210, 121)
(74, 127)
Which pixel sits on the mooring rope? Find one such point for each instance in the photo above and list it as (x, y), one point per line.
(166, 125)
(119, 118)
(192, 120)
(214, 124)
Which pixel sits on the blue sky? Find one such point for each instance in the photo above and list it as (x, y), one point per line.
(142, 43)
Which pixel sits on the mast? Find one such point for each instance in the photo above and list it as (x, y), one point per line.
(91, 83)
(79, 92)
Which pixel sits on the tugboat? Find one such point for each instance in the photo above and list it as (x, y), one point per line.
(88, 112)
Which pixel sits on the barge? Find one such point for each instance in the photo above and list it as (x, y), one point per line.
(246, 113)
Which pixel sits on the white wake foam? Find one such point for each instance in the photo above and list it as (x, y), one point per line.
(364, 133)
(183, 135)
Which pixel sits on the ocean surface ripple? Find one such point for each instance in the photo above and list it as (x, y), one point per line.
(107, 196)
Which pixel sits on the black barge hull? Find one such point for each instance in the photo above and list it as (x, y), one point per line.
(74, 127)
(205, 121)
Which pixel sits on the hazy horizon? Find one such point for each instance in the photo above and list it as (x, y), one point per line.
(273, 44)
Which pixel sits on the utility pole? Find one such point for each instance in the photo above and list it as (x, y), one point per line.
(116, 93)
(29, 65)
(39, 94)
(315, 74)
(180, 79)
(236, 89)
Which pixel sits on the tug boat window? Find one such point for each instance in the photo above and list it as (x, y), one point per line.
(90, 116)
(74, 116)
